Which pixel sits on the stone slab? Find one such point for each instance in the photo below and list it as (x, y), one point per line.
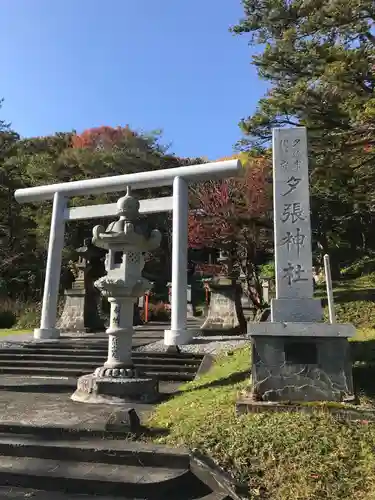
(56, 410)
(296, 310)
(301, 329)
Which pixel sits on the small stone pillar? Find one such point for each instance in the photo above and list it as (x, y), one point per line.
(80, 313)
(126, 240)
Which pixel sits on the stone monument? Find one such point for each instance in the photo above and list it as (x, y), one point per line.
(126, 240)
(297, 357)
(225, 313)
(80, 313)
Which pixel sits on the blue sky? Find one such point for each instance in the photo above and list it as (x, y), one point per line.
(168, 64)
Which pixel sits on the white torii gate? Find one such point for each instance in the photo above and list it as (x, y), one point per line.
(61, 193)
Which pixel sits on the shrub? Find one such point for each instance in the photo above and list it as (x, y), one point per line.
(157, 312)
(361, 313)
(7, 319)
(267, 270)
(30, 316)
(9, 309)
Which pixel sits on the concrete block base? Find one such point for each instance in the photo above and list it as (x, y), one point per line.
(298, 369)
(179, 337)
(46, 333)
(115, 390)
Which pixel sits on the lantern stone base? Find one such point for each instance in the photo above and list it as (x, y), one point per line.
(115, 390)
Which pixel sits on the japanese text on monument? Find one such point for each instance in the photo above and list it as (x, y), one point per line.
(292, 212)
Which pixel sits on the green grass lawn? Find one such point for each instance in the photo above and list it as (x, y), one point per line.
(279, 456)
(283, 456)
(8, 331)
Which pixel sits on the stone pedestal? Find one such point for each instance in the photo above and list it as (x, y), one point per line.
(225, 314)
(80, 313)
(115, 390)
(81, 308)
(117, 381)
(301, 362)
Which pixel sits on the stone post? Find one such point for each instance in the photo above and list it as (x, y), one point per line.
(179, 333)
(48, 328)
(126, 240)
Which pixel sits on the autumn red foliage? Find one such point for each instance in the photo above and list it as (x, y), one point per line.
(101, 137)
(232, 209)
(234, 215)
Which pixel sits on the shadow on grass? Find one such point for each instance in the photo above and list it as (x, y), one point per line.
(363, 378)
(363, 358)
(362, 351)
(234, 378)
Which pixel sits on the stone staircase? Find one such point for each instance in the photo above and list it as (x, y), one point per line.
(72, 361)
(74, 356)
(66, 466)
(52, 447)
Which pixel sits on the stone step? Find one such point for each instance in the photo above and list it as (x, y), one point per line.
(162, 360)
(35, 462)
(88, 366)
(70, 372)
(94, 352)
(92, 478)
(118, 451)
(17, 493)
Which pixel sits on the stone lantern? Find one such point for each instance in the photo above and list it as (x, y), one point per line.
(225, 314)
(126, 240)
